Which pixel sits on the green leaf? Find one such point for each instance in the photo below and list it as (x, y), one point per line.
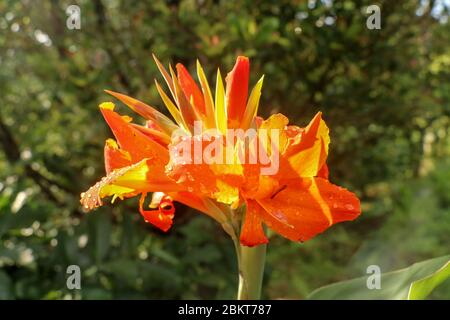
(414, 282)
(420, 289)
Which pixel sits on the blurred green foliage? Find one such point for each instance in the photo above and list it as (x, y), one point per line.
(385, 95)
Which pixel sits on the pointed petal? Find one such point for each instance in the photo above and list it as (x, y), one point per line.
(187, 112)
(149, 113)
(173, 109)
(131, 140)
(165, 75)
(190, 88)
(237, 91)
(209, 103)
(220, 111)
(323, 172)
(252, 106)
(154, 134)
(302, 208)
(252, 233)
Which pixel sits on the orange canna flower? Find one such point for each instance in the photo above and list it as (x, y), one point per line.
(278, 173)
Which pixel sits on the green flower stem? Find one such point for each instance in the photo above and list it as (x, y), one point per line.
(251, 261)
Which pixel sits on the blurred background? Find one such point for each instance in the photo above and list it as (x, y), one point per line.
(385, 95)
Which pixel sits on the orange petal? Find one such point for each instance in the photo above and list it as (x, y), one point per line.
(160, 120)
(191, 199)
(188, 113)
(252, 233)
(237, 91)
(323, 172)
(160, 218)
(190, 88)
(189, 165)
(183, 168)
(306, 151)
(137, 144)
(115, 158)
(272, 140)
(153, 134)
(302, 208)
(274, 126)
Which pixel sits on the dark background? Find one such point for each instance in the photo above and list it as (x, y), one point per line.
(385, 95)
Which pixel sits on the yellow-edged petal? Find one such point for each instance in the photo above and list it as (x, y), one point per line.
(252, 105)
(209, 103)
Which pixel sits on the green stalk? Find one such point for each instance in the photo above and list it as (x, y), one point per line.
(251, 261)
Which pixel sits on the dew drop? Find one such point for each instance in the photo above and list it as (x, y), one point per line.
(349, 207)
(280, 215)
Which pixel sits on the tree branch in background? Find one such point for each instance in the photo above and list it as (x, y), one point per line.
(12, 152)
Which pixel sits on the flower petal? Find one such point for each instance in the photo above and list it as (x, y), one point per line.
(220, 113)
(161, 218)
(209, 103)
(323, 172)
(115, 158)
(190, 88)
(302, 208)
(141, 177)
(149, 113)
(165, 75)
(252, 105)
(274, 127)
(252, 233)
(153, 134)
(237, 91)
(171, 107)
(307, 151)
(207, 173)
(188, 113)
(137, 144)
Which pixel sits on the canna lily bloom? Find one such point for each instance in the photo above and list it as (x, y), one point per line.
(296, 200)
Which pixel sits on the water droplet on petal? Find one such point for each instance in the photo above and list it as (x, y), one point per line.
(280, 216)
